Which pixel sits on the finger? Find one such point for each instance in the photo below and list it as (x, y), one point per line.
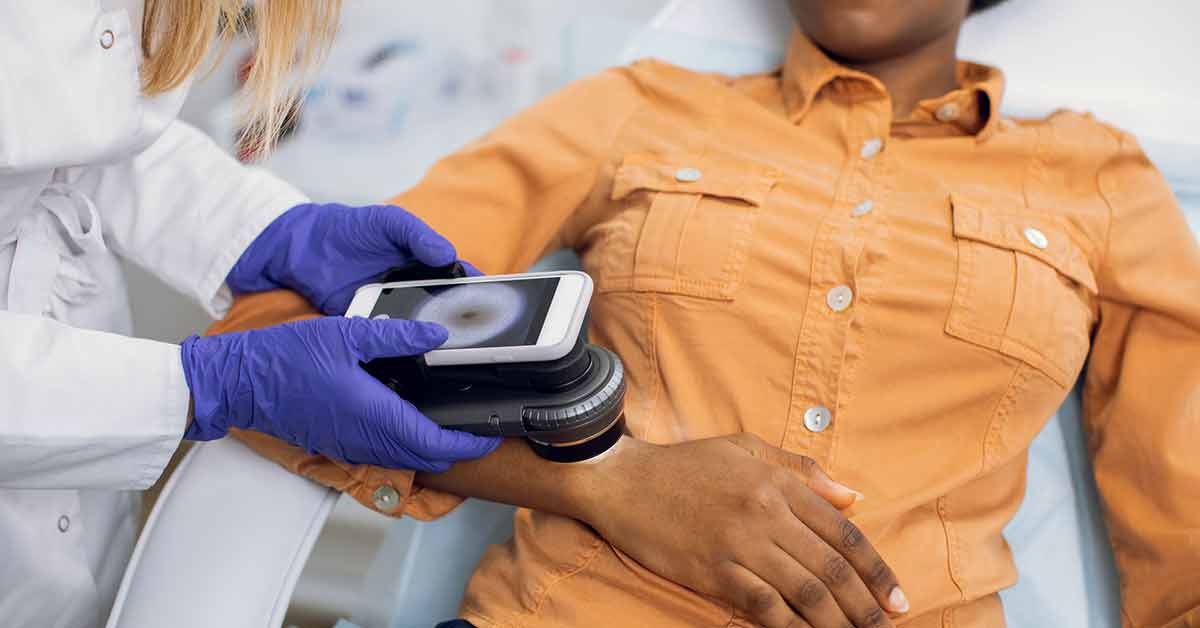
(846, 585)
(410, 233)
(813, 475)
(838, 552)
(805, 593)
(845, 538)
(372, 339)
(840, 495)
(761, 601)
(472, 271)
(338, 301)
(430, 441)
(434, 466)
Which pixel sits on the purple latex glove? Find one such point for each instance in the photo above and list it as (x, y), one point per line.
(301, 382)
(326, 252)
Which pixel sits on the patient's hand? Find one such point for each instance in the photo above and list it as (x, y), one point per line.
(742, 520)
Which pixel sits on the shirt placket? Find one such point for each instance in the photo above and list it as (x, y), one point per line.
(814, 420)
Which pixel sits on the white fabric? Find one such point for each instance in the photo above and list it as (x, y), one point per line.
(91, 171)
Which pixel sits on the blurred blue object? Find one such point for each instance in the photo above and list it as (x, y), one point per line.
(421, 569)
(374, 94)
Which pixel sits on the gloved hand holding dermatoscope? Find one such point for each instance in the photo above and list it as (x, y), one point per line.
(514, 364)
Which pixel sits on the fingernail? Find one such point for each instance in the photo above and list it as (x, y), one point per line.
(898, 601)
(858, 497)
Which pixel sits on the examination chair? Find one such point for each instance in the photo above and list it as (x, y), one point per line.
(231, 532)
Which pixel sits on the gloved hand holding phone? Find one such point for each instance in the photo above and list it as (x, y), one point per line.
(302, 382)
(326, 252)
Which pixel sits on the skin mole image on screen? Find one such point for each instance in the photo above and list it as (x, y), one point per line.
(488, 314)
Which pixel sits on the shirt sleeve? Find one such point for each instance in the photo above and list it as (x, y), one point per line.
(504, 200)
(185, 211)
(526, 188)
(85, 409)
(1142, 394)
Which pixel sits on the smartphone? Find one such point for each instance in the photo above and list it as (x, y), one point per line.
(533, 317)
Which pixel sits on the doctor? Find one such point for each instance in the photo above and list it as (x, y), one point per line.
(96, 170)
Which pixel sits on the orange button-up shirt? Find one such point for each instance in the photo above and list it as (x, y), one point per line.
(905, 301)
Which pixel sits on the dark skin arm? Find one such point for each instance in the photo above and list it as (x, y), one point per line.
(764, 529)
(518, 477)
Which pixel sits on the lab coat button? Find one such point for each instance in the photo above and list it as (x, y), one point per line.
(817, 419)
(64, 523)
(871, 147)
(688, 175)
(385, 498)
(1037, 238)
(107, 39)
(840, 298)
(947, 112)
(863, 208)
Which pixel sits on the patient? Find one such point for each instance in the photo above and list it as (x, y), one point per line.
(854, 266)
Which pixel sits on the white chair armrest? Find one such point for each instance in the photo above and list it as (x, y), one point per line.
(225, 544)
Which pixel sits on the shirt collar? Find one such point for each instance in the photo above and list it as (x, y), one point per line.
(807, 70)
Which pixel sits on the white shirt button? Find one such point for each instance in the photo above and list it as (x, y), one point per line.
(840, 298)
(871, 147)
(1037, 238)
(385, 498)
(107, 39)
(688, 175)
(863, 208)
(947, 112)
(64, 523)
(817, 419)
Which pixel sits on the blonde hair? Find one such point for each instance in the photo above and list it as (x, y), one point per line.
(292, 38)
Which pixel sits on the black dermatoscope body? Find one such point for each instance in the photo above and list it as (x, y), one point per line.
(568, 410)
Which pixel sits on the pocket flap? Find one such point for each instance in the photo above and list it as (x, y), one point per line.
(1040, 237)
(748, 183)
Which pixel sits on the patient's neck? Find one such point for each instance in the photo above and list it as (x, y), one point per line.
(929, 71)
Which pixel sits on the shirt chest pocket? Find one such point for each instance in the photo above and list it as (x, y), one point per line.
(683, 226)
(1023, 289)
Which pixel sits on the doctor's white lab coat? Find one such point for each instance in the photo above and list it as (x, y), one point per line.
(92, 173)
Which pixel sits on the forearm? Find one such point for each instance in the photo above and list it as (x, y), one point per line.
(514, 474)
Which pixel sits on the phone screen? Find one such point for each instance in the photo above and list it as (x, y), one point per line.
(507, 313)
